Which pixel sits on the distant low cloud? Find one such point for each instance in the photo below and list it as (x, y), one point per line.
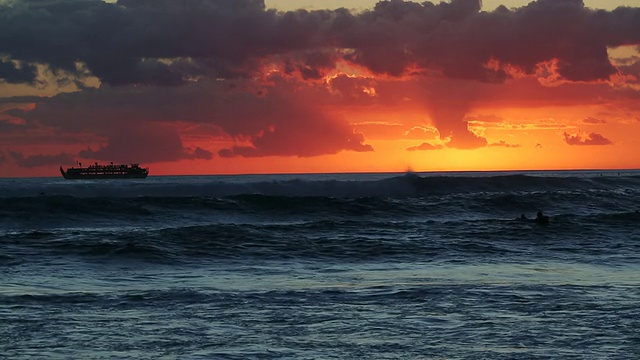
(465, 139)
(145, 144)
(589, 139)
(313, 137)
(420, 132)
(593, 120)
(200, 153)
(503, 143)
(486, 118)
(40, 160)
(425, 146)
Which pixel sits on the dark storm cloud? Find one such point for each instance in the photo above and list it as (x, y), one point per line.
(121, 42)
(631, 67)
(10, 128)
(460, 40)
(590, 139)
(352, 89)
(17, 74)
(168, 42)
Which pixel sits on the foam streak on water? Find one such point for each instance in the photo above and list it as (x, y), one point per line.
(322, 266)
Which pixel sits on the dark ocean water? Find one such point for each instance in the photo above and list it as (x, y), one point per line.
(351, 266)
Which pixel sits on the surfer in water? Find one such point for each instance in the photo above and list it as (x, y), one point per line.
(541, 219)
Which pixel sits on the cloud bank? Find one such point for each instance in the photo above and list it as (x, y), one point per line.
(167, 42)
(258, 75)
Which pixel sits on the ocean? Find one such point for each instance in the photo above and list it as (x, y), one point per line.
(330, 266)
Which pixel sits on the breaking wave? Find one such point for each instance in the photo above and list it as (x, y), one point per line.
(407, 185)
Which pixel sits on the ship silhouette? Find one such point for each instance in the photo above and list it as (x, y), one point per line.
(111, 171)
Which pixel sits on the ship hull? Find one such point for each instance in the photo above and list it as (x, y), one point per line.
(104, 173)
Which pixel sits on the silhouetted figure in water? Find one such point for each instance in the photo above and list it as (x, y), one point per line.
(523, 217)
(541, 219)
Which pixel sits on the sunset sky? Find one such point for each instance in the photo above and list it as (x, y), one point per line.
(290, 86)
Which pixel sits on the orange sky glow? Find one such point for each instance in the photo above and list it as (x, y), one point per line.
(248, 87)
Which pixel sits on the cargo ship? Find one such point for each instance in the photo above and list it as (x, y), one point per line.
(96, 171)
